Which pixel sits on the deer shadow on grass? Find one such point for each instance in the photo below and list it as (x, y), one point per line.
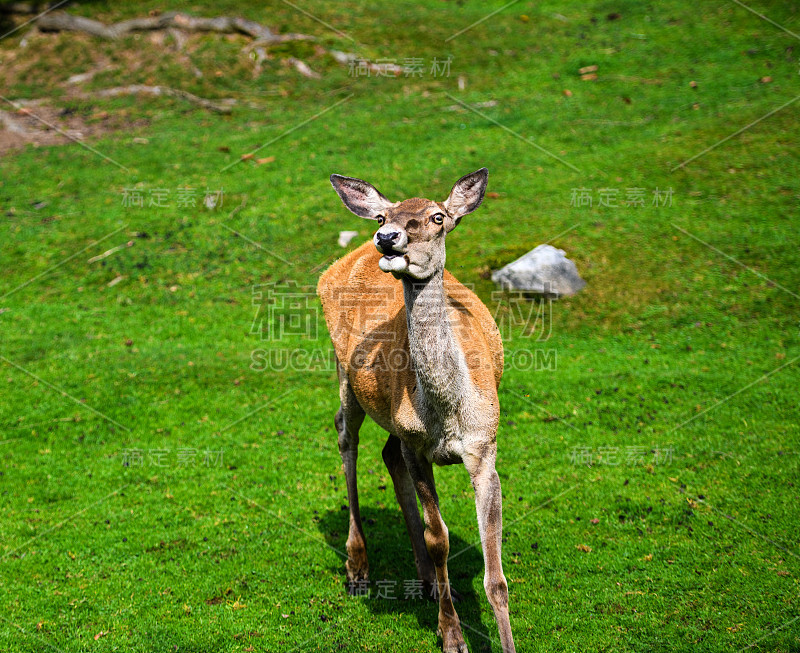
(393, 586)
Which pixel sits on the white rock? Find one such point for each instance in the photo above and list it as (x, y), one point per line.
(545, 270)
(345, 237)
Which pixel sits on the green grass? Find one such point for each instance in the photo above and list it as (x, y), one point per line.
(671, 348)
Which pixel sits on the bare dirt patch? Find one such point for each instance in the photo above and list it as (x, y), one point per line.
(46, 125)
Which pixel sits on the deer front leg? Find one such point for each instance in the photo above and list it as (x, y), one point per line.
(489, 505)
(438, 544)
(407, 498)
(348, 421)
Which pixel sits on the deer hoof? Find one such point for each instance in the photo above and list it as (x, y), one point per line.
(357, 578)
(357, 567)
(453, 642)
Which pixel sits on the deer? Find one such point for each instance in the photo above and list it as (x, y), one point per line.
(422, 356)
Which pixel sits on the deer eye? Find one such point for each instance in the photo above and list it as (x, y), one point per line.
(380, 220)
(438, 218)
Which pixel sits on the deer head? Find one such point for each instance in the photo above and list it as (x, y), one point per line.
(411, 233)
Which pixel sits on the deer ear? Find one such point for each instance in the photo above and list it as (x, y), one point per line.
(467, 194)
(361, 198)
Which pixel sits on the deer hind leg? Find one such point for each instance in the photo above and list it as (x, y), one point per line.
(438, 544)
(489, 505)
(407, 498)
(348, 421)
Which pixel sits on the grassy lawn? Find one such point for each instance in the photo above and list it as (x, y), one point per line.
(169, 474)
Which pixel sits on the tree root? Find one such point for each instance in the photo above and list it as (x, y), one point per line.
(177, 22)
(60, 21)
(218, 106)
(27, 8)
(221, 106)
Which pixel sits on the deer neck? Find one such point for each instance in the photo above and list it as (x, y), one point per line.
(436, 356)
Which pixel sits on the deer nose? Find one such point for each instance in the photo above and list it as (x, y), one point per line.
(386, 241)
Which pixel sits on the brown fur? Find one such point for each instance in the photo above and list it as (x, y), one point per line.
(366, 317)
(420, 354)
